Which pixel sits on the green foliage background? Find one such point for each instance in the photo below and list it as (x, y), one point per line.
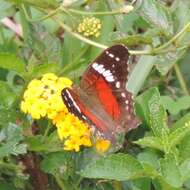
(157, 154)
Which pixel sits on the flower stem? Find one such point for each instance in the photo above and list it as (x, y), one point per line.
(173, 40)
(159, 50)
(181, 80)
(46, 131)
(60, 182)
(114, 12)
(49, 15)
(117, 185)
(80, 37)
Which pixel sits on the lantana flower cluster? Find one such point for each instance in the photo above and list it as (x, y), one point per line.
(42, 98)
(90, 26)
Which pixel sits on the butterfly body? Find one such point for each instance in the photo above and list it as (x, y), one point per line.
(102, 100)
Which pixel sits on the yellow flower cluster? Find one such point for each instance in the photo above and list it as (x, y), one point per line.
(42, 98)
(73, 130)
(90, 26)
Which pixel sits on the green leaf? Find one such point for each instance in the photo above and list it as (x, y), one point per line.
(39, 70)
(8, 115)
(184, 121)
(56, 161)
(170, 171)
(174, 107)
(150, 109)
(7, 95)
(39, 3)
(119, 167)
(181, 14)
(51, 144)
(7, 186)
(4, 7)
(156, 15)
(176, 136)
(10, 138)
(142, 70)
(12, 62)
(151, 142)
(184, 146)
(166, 61)
(150, 158)
(185, 170)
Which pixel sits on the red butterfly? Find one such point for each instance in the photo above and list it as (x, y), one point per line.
(102, 100)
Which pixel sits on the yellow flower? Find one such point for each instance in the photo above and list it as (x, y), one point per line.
(73, 143)
(73, 131)
(102, 145)
(90, 26)
(43, 96)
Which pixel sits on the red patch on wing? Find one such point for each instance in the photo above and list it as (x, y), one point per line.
(108, 100)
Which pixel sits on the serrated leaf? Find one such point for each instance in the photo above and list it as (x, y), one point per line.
(156, 15)
(8, 115)
(174, 107)
(149, 157)
(150, 109)
(7, 95)
(11, 137)
(178, 134)
(184, 145)
(185, 170)
(119, 167)
(151, 142)
(12, 62)
(56, 161)
(170, 171)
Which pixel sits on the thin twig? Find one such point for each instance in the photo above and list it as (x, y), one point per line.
(181, 79)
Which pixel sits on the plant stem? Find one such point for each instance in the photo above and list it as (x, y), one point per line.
(181, 79)
(159, 50)
(114, 12)
(10, 166)
(80, 37)
(117, 185)
(60, 182)
(172, 40)
(49, 15)
(46, 131)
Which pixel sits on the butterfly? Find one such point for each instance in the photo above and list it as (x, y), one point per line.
(102, 100)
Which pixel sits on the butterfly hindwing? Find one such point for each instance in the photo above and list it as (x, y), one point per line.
(81, 109)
